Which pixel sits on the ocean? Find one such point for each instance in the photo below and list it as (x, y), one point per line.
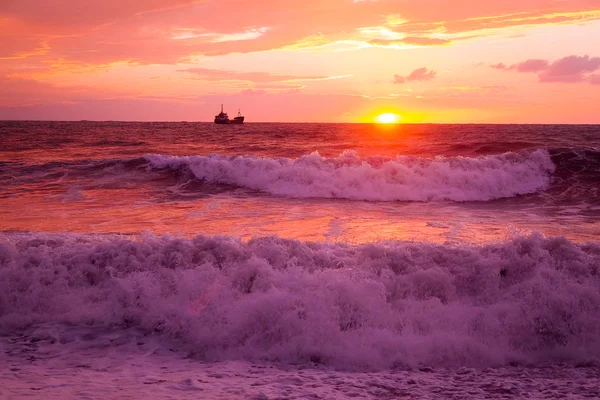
(299, 261)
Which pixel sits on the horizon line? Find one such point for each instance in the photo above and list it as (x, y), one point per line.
(302, 122)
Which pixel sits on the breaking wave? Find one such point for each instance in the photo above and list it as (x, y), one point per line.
(565, 175)
(530, 299)
(404, 178)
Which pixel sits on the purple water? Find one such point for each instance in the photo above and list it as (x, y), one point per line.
(299, 260)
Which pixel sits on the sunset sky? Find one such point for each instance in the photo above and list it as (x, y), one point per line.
(510, 61)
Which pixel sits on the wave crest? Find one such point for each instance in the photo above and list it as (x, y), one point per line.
(404, 178)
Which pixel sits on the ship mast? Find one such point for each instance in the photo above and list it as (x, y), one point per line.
(221, 108)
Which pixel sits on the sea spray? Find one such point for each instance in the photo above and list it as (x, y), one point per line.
(370, 306)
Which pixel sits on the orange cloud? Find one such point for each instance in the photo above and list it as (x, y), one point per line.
(150, 32)
(71, 15)
(409, 41)
(425, 41)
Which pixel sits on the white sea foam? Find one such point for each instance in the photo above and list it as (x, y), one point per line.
(404, 178)
(530, 299)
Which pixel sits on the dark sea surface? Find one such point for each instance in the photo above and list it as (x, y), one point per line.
(299, 260)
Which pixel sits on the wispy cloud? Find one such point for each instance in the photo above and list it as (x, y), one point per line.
(224, 75)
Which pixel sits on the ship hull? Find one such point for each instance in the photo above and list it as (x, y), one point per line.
(223, 119)
(235, 121)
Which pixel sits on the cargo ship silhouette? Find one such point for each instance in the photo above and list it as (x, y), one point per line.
(223, 118)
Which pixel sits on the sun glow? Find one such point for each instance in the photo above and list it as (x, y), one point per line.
(388, 118)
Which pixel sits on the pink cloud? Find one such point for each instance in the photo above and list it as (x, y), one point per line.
(594, 79)
(398, 79)
(421, 74)
(531, 66)
(570, 69)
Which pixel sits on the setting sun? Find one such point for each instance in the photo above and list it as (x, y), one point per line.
(388, 118)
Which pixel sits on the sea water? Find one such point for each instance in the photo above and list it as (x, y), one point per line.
(191, 260)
